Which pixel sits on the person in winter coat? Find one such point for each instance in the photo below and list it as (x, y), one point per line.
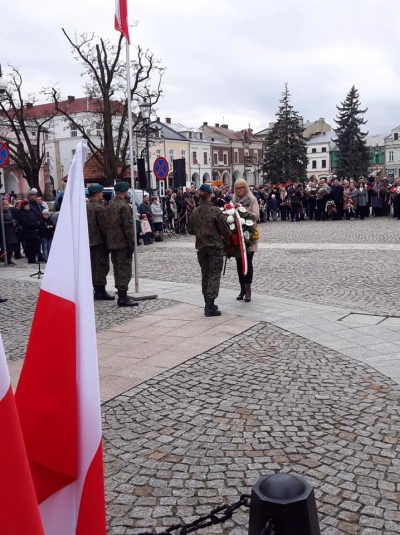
(46, 234)
(158, 214)
(146, 209)
(30, 232)
(10, 225)
(362, 199)
(244, 197)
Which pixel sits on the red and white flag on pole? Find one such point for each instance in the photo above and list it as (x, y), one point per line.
(19, 511)
(58, 396)
(121, 18)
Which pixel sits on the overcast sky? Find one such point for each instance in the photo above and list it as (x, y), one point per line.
(228, 59)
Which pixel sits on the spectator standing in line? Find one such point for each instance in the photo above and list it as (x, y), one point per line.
(30, 232)
(10, 225)
(99, 254)
(46, 235)
(294, 197)
(181, 209)
(146, 230)
(145, 209)
(337, 191)
(158, 214)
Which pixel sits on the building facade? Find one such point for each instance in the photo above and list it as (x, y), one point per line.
(318, 153)
(392, 154)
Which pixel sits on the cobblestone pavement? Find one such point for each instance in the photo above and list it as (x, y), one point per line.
(362, 279)
(201, 434)
(17, 314)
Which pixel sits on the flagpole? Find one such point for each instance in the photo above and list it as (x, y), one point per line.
(130, 127)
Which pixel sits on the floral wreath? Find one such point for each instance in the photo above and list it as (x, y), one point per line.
(244, 232)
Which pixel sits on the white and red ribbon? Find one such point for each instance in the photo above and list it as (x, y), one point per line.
(242, 243)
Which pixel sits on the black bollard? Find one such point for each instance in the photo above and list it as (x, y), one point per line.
(288, 501)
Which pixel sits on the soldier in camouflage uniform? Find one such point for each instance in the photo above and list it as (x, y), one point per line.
(120, 240)
(209, 226)
(99, 255)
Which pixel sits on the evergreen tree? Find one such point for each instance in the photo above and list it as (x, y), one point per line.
(353, 154)
(285, 149)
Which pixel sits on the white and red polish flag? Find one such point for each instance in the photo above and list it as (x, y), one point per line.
(19, 511)
(121, 18)
(58, 396)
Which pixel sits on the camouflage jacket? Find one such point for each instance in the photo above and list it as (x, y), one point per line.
(208, 225)
(96, 214)
(119, 219)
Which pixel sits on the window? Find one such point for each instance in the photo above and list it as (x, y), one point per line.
(201, 136)
(391, 156)
(225, 158)
(215, 158)
(314, 164)
(323, 149)
(183, 154)
(190, 135)
(158, 153)
(395, 136)
(255, 155)
(194, 157)
(323, 164)
(236, 156)
(205, 158)
(98, 129)
(171, 156)
(313, 151)
(74, 131)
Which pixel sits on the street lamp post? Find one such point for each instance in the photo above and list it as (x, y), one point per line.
(145, 108)
(3, 89)
(200, 181)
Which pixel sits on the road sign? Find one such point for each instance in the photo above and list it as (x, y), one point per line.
(161, 168)
(4, 155)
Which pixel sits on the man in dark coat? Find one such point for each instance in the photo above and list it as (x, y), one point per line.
(30, 232)
(120, 241)
(208, 224)
(337, 196)
(146, 210)
(99, 255)
(294, 197)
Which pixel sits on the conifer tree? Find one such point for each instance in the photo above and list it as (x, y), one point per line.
(285, 149)
(353, 154)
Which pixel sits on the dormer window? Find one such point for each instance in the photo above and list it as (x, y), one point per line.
(190, 135)
(395, 136)
(201, 135)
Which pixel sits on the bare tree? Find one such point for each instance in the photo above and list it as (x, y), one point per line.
(106, 90)
(23, 129)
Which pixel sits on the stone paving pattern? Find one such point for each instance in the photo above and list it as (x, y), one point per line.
(17, 314)
(365, 280)
(201, 434)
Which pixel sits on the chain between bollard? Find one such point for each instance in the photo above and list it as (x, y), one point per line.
(219, 515)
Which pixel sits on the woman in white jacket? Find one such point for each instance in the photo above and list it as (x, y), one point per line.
(157, 212)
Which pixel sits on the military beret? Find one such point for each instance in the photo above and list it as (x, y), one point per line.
(121, 186)
(96, 188)
(207, 188)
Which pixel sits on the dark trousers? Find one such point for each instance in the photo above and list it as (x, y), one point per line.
(284, 212)
(339, 211)
(211, 262)
(32, 249)
(245, 279)
(320, 211)
(295, 211)
(362, 210)
(396, 206)
(312, 204)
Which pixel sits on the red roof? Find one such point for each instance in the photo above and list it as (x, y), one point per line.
(71, 106)
(231, 134)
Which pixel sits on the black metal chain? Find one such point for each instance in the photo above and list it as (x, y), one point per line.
(219, 515)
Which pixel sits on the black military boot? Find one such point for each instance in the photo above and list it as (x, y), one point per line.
(3, 300)
(100, 294)
(242, 292)
(124, 300)
(210, 309)
(205, 301)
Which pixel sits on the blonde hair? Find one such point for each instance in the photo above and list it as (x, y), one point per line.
(242, 182)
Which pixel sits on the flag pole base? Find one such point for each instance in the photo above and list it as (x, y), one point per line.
(142, 296)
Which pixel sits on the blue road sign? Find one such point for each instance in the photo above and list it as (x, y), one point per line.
(161, 168)
(4, 155)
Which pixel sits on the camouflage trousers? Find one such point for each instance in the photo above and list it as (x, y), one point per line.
(122, 264)
(211, 261)
(100, 263)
